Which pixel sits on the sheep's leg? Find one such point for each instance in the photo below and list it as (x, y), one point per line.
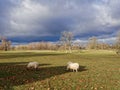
(35, 67)
(68, 67)
(73, 70)
(76, 70)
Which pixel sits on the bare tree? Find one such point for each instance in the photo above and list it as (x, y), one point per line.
(118, 43)
(66, 39)
(92, 43)
(5, 44)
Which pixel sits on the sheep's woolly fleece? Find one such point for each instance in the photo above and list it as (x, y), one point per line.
(73, 66)
(33, 65)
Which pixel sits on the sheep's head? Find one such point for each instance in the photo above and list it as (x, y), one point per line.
(69, 63)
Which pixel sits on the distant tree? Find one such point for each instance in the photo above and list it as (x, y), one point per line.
(92, 43)
(66, 39)
(103, 46)
(118, 43)
(37, 46)
(5, 44)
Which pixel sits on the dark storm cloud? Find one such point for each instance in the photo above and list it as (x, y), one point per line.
(35, 20)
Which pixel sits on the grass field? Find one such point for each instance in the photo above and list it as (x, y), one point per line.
(99, 70)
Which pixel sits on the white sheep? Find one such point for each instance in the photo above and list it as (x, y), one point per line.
(33, 65)
(73, 66)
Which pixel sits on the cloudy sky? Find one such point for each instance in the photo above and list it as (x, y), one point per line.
(25, 21)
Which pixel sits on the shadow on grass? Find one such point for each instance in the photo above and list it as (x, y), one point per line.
(14, 74)
(26, 54)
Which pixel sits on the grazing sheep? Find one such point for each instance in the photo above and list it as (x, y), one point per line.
(73, 66)
(33, 65)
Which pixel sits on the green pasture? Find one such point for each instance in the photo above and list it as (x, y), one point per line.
(99, 70)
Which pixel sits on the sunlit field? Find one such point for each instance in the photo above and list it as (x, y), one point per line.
(99, 70)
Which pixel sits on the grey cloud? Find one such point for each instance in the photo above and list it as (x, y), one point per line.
(45, 18)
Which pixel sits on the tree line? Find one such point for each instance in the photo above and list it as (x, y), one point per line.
(66, 43)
